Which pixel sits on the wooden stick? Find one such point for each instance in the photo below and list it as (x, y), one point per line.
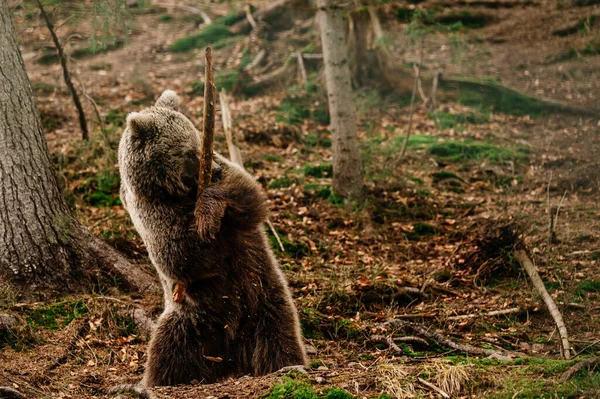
(443, 340)
(492, 313)
(433, 388)
(234, 151)
(529, 267)
(66, 74)
(578, 366)
(249, 16)
(208, 125)
(301, 67)
(206, 146)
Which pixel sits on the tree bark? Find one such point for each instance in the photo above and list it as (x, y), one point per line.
(347, 174)
(44, 250)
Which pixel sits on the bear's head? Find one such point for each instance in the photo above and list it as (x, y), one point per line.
(159, 152)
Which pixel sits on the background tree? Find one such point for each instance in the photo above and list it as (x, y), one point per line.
(347, 174)
(43, 248)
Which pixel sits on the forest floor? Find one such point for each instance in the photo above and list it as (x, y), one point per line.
(436, 243)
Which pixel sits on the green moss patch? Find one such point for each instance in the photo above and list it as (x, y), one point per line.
(56, 315)
(474, 150)
(209, 35)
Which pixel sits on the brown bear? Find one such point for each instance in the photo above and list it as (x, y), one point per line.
(237, 316)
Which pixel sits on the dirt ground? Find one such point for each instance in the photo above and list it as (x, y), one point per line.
(427, 245)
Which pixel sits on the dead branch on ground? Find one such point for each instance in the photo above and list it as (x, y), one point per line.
(433, 388)
(578, 366)
(66, 74)
(382, 339)
(425, 332)
(301, 67)
(529, 267)
(492, 313)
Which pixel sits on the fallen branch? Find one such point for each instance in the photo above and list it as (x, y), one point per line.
(585, 252)
(271, 10)
(301, 67)
(257, 60)
(382, 339)
(433, 388)
(492, 313)
(249, 16)
(578, 366)
(529, 267)
(66, 74)
(268, 77)
(412, 339)
(420, 330)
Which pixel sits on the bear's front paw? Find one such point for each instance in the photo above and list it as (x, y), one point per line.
(210, 210)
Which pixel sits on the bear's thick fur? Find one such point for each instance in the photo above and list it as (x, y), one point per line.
(237, 316)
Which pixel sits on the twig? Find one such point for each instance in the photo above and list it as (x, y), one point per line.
(550, 215)
(433, 387)
(206, 147)
(529, 267)
(312, 56)
(492, 313)
(66, 73)
(381, 339)
(441, 339)
(276, 235)
(249, 16)
(587, 347)
(208, 124)
(558, 209)
(412, 103)
(257, 60)
(434, 87)
(234, 152)
(412, 339)
(301, 67)
(578, 366)
(585, 252)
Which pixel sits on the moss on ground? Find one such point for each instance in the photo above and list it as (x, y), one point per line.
(209, 35)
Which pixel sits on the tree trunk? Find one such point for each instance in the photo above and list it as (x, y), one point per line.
(43, 248)
(347, 175)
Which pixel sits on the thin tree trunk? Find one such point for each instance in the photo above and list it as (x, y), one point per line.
(44, 250)
(66, 74)
(347, 175)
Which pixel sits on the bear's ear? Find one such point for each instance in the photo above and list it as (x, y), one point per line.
(168, 99)
(141, 125)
